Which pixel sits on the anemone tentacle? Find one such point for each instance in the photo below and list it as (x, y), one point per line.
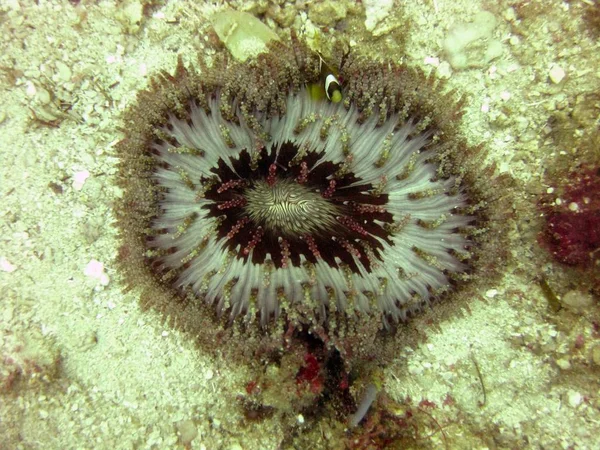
(253, 239)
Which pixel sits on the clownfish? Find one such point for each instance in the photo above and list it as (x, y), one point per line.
(328, 86)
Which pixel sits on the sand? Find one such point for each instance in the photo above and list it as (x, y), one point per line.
(82, 367)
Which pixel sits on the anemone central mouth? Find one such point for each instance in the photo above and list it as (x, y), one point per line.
(288, 208)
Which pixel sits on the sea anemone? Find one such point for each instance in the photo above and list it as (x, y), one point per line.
(243, 192)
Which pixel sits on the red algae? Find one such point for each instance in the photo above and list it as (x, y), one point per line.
(572, 229)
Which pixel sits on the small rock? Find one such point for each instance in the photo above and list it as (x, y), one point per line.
(283, 16)
(563, 363)
(79, 179)
(514, 40)
(510, 15)
(556, 74)
(64, 72)
(6, 266)
(243, 34)
(431, 61)
(376, 11)
(187, 431)
(415, 369)
(472, 44)
(95, 270)
(577, 300)
(130, 15)
(444, 71)
(43, 96)
(574, 398)
(326, 13)
(30, 89)
(491, 293)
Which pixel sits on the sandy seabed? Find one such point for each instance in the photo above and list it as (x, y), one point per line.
(82, 367)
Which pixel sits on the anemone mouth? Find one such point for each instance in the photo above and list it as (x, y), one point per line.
(292, 206)
(287, 208)
(333, 211)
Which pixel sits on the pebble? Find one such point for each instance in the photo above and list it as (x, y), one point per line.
(43, 96)
(415, 369)
(556, 74)
(431, 61)
(95, 270)
(563, 363)
(491, 293)
(327, 13)
(6, 266)
(376, 11)
(577, 300)
(30, 89)
(64, 72)
(574, 398)
(79, 179)
(187, 431)
(243, 34)
(444, 71)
